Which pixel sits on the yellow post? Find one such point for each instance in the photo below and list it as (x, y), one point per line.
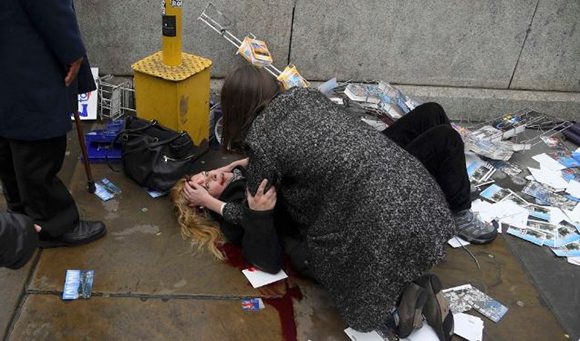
(171, 39)
(173, 87)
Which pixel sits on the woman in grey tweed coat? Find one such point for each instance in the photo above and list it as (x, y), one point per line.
(372, 216)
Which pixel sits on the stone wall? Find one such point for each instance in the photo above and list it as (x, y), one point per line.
(531, 45)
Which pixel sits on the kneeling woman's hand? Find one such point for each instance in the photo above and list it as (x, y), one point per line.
(263, 200)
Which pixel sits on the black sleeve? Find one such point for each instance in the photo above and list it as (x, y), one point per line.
(18, 240)
(261, 244)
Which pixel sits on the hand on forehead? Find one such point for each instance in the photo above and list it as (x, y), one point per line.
(199, 178)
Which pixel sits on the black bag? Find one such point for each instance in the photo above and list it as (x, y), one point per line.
(154, 156)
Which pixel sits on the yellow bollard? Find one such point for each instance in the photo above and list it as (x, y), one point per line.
(171, 38)
(172, 87)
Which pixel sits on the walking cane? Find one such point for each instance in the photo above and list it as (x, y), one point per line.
(90, 181)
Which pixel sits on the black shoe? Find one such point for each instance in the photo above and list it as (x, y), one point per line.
(410, 309)
(436, 309)
(85, 232)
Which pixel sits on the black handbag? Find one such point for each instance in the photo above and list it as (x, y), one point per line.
(154, 156)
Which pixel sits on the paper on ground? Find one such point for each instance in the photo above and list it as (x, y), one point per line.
(456, 242)
(359, 336)
(574, 188)
(425, 333)
(556, 215)
(551, 178)
(548, 163)
(484, 208)
(468, 326)
(574, 260)
(574, 215)
(260, 278)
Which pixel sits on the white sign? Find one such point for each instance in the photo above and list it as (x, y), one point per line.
(88, 101)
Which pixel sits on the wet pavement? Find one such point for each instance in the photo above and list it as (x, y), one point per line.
(150, 285)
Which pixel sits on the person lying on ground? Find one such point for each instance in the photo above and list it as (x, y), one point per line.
(18, 239)
(262, 231)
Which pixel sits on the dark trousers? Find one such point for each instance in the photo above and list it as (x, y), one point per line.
(426, 133)
(28, 171)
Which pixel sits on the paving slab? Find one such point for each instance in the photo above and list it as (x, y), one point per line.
(503, 278)
(316, 315)
(143, 252)
(556, 279)
(47, 317)
(12, 285)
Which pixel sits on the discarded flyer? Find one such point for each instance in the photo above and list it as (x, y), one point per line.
(528, 234)
(482, 173)
(511, 124)
(260, 278)
(501, 150)
(545, 196)
(455, 296)
(550, 231)
(155, 193)
(456, 242)
(567, 233)
(327, 87)
(506, 167)
(565, 158)
(78, 283)
(355, 335)
(495, 193)
(106, 190)
(539, 212)
(290, 78)
(568, 250)
(252, 304)
(514, 197)
(488, 133)
(255, 51)
(462, 297)
(468, 327)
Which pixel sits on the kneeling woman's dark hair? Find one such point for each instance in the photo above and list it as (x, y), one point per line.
(246, 91)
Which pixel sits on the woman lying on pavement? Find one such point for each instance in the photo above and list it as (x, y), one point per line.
(372, 216)
(262, 231)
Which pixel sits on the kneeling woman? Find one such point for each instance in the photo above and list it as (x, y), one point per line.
(371, 216)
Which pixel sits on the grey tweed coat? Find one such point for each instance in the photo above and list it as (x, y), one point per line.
(372, 216)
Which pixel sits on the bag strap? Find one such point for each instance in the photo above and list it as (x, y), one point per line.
(156, 144)
(126, 131)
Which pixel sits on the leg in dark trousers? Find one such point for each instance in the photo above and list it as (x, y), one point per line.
(426, 133)
(416, 122)
(8, 178)
(28, 170)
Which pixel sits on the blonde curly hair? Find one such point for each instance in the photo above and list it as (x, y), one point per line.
(196, 224)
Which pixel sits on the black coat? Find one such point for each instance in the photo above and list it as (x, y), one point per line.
(38, 39)
(18, 240)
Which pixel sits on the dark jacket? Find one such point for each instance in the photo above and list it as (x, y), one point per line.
(38, 40)
(372, 216)
(262, 233)
(18, 240)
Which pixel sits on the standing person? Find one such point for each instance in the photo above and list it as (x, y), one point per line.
(43, 69)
